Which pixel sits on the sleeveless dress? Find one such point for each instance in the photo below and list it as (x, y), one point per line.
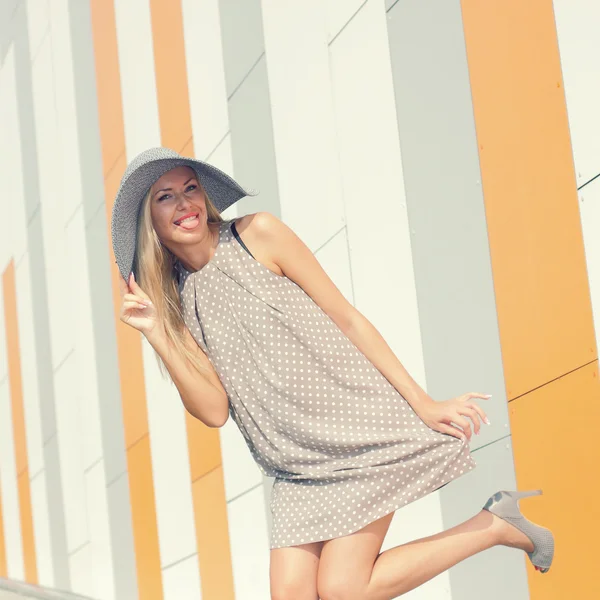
(344, 446)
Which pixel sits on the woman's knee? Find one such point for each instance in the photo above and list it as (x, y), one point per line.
(334, 587)
(293, 590)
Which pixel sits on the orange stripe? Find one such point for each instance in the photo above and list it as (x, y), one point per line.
(540, 277)
(18, 418)
(129, 347)
(208, 486)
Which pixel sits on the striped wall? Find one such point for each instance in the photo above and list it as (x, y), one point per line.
(441, 159)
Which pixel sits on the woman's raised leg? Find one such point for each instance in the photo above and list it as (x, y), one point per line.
(405, 567)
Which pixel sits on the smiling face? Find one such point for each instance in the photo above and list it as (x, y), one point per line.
(178, 210)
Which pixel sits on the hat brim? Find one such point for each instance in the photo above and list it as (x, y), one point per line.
(222, 190)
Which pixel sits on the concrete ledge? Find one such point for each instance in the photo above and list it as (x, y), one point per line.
(17, 590)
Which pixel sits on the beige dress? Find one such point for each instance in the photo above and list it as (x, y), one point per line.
(344, 446)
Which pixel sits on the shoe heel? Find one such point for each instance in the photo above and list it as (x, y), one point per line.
(518, 495)
(505, 504)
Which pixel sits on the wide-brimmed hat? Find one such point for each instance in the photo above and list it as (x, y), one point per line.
(139, 176)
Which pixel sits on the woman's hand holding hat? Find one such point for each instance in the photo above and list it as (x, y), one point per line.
(137, 309)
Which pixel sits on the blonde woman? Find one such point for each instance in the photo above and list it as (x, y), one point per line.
(247, 324)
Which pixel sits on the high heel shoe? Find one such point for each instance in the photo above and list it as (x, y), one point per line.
(506, 506)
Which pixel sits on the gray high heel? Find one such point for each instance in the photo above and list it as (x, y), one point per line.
(506, 506)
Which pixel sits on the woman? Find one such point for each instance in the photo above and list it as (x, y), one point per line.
(248, 324)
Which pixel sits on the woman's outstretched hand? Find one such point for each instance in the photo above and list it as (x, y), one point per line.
(137, 309)
(441, 415)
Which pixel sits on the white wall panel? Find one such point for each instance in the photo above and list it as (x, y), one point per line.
(85, 379)
(170, 464)
(206, 75)
(249, 545)
(37, 24)
(579, 45)
(102, 584)
(338, 13)
(181, 581)
(16, 245)
(51, 194)
(377, 221)
(138, 80)
(333, 257)
(69, 173)
(12, 172)
(53, 189)
(41, 528)
(69, 429)
(81, 564)
(369, 149)
(8, 485)
(241, 472)
(308, 171)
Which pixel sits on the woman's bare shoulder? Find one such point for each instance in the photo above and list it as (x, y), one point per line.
(254, 229)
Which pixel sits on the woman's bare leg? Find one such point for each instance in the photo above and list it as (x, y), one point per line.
(293, 572)
(403, 568)
(351, 567)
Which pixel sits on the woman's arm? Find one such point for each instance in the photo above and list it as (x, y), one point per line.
(284, 248)
(203, 396)
(371, 343)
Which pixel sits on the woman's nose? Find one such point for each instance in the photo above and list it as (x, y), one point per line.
(182, 199)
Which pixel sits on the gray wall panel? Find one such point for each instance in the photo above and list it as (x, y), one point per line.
(121, 533)
(107, 364)
(498, 573)
(88, 131)
(453, 270)
(445, 205)
(102, 308)
(243, 40)
(250, 121)
(39, 295)
(252, 142)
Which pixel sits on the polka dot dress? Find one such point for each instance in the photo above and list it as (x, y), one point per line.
(344, 446)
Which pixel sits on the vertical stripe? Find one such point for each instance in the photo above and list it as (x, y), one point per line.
(3, 566)
(129, 349)
(540, 278)
(208, 489)
(449, 255)
(16, 397)
(33, 175)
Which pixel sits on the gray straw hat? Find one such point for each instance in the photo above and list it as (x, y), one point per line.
(139, 176)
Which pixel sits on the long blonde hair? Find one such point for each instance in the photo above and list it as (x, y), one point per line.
(154, 268)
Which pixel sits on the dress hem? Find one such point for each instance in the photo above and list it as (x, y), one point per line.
(398, 505)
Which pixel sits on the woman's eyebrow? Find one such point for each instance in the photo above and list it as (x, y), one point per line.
(168, 189)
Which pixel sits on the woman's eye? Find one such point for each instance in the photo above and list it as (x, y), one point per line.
(191, 186)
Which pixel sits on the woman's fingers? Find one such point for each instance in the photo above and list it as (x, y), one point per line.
(472, 414)
(135, 298)
(133, 304)
(136, 288)
(123, 288)
(479, 411)
(451, 430)
(478, 395)
(463, 424)
(470, 395)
